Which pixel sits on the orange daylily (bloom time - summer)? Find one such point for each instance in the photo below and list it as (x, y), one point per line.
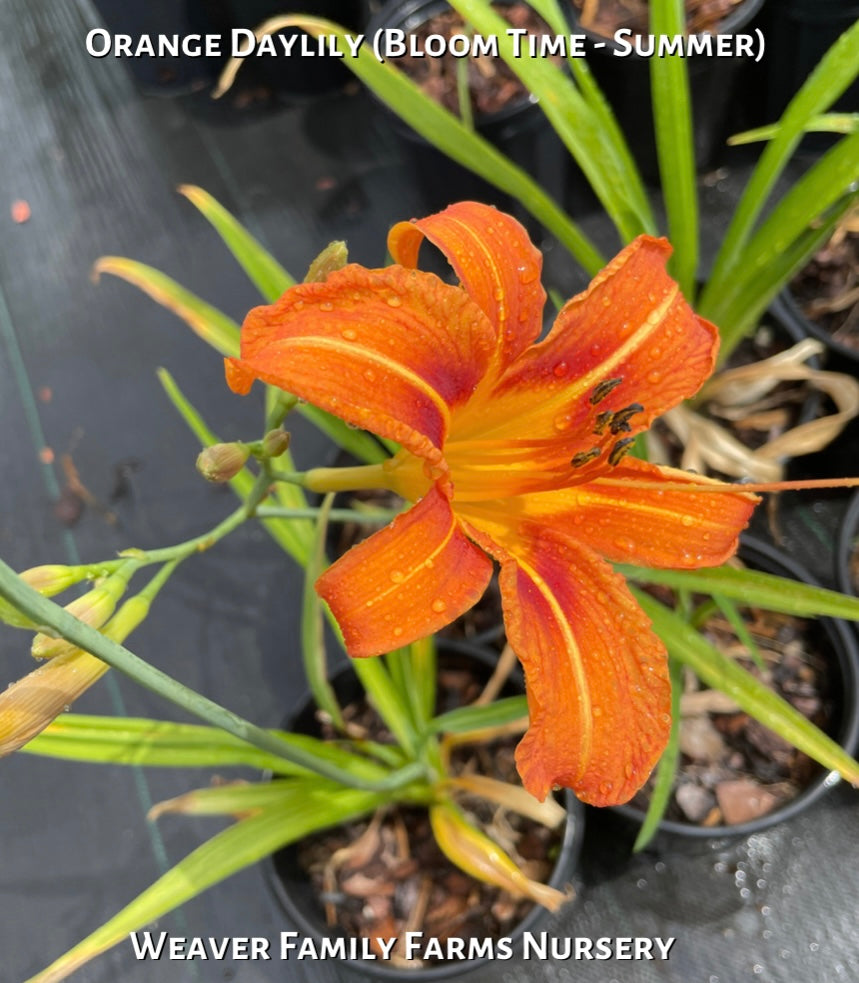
(512, 450)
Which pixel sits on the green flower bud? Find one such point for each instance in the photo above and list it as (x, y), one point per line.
(52, 578)
(93, 608)
(220, 462)
(275, 443)
(127, 618)
(332, 258)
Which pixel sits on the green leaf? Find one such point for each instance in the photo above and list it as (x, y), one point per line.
(769, 257)
(269, 277)
(312, 627)
(832, 76)
(413, 672)
(753, 588)
(491, 715)
(214, 327)
(161, 743)
(50, 615)
(295, 537)
(723, 674)
(740, 628)
(304, 808)
(675, 145)
(614, 142)
(666, 770)
(358, 443)
(827, 123)
(388, 701)
(230, 798)
(572, 119)
(444, 131)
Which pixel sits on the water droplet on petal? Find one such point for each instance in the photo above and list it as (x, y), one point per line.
(398, 631)
(560, 370)
(326, 305)
(563, 422)
(394, 301)
(438, 605)
(397, 576)
(528, 274)
(687, 520)
(369, 375)
(654, 377)
(349, 334)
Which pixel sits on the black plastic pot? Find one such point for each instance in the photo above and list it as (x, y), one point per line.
(520, 131)
(786, 308)
(799, 32)
(300, 903)
(848, 540)
(625, 81)
(187, 71)
(843, 694)
(297, 75)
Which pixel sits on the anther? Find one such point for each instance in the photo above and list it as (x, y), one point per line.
(583, 457)
(619, 449)
(620, 420)
(602, 389)
(603, 420)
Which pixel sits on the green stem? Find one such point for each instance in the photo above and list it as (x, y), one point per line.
(199, 544)
(43, 611)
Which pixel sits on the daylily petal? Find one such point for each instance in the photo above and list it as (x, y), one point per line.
(374, 347)
(30, 704)
(630, 517)
(596, 674)
(630, 340)
(496, 262)
(405, 581)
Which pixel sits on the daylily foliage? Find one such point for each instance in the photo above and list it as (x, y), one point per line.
(512, 450)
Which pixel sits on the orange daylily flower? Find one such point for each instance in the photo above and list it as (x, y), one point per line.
(512, 449)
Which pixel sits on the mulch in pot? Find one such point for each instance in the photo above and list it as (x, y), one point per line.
(733, 769)
(607, 16)
(492, 85)
(385, 876)
(827, 288)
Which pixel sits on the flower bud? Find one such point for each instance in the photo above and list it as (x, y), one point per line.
(475, 853)
(275, 443)
(48, 580)
(332, 258)
(93, 608)
(52, 578)
(220, 462)
(30, 704)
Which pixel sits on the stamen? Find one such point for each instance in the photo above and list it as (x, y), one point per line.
(753, 488)
(603, 420)
(584, 457)
(602, 389)
(620, 420)
(620, 448)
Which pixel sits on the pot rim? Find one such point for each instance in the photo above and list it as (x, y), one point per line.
(844, 545)
(846, 652)
(408, 14)
(786, 307)
(563, 873)
(736, 19)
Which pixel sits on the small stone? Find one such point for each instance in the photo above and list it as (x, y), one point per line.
(700, 740)
(696, 802)
(743, 800)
